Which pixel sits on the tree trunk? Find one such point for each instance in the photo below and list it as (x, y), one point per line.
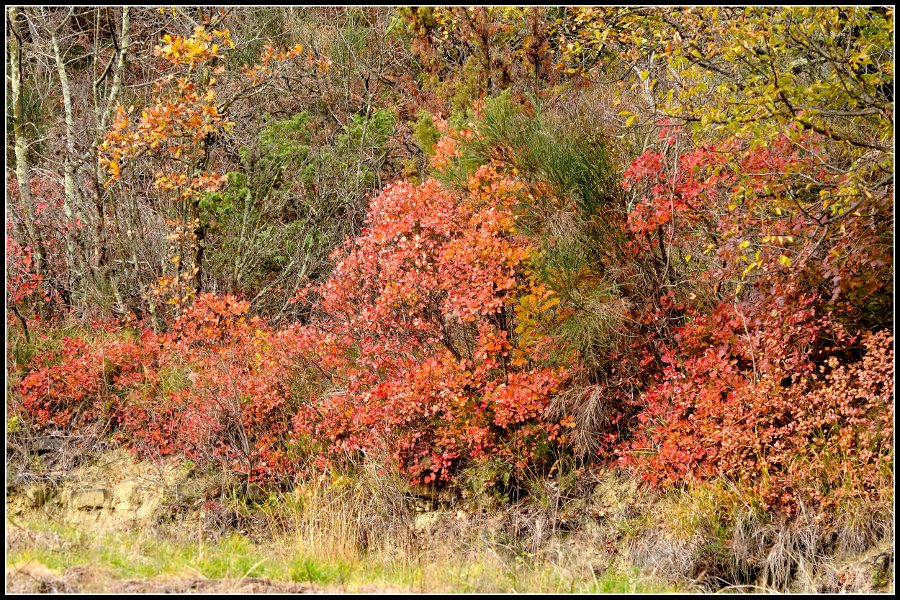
(21, 144)
(71, 193)
(102, 116)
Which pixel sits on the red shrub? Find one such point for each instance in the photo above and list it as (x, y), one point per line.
(234, 407)
(762, 383)
(88, 384)
(418, 336)
(22, 283)
(225, 398)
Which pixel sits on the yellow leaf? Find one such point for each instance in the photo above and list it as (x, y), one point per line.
(550, 303)
(785, 261)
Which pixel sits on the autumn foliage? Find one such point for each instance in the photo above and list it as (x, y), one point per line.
(427, 347)
(23, 285)
(698, 288)
(782, 381)
(420, 341)
(214, 388)
(431, 343)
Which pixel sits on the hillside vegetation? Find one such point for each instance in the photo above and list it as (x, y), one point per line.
(604, 277)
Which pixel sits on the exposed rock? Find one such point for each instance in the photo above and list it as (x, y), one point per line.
(867, 572)
(39, 493)
(91, 498)
(423, 521)
(37, 579)
(198, 487)
(49, 443)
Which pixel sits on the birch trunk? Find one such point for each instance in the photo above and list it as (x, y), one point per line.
(71, 192)
(21, 143)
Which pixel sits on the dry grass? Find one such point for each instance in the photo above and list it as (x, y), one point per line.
(710, 534)
(574, 531)
(342, 516)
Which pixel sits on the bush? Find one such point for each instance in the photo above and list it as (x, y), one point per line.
(87, 385)
(215, 389)
(234, 406)
(774, 373)
(423, 338)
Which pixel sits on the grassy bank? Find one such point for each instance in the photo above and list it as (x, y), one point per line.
(369, 531)
(234, 557)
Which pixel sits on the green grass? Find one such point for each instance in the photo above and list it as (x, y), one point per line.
(139, 556)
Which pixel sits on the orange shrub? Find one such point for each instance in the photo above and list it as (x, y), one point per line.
(420, 340)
